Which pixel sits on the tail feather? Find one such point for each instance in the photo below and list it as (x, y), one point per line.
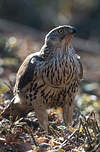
(15, 109)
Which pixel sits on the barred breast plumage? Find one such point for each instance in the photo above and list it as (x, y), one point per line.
(49, 78)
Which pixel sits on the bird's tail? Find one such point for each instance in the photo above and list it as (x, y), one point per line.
(15, 109)
(6, 111)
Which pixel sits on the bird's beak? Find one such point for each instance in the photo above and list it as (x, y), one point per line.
(73, 30)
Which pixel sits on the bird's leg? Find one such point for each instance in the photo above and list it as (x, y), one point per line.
(42, 116)
(68, 111)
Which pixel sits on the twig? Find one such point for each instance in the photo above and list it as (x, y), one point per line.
(10, 86)
(86, 131)
(29, 130)
(69, 139)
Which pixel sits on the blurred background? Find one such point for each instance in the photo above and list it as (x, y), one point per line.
(23, 25)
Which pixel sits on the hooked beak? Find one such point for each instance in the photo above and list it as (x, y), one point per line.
(73, 30)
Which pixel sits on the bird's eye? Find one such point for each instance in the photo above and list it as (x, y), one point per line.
(60, 31)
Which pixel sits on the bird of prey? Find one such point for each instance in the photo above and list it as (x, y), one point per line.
(48, 79)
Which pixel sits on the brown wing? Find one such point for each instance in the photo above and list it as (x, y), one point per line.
(27, 70)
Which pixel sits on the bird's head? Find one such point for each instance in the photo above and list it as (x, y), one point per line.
(60, 36)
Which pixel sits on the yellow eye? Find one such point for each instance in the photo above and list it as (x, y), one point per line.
(60, 31)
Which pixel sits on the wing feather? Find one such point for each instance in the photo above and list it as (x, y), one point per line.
(27, 70)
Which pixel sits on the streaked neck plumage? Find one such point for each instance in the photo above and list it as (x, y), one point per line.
(49, 52)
